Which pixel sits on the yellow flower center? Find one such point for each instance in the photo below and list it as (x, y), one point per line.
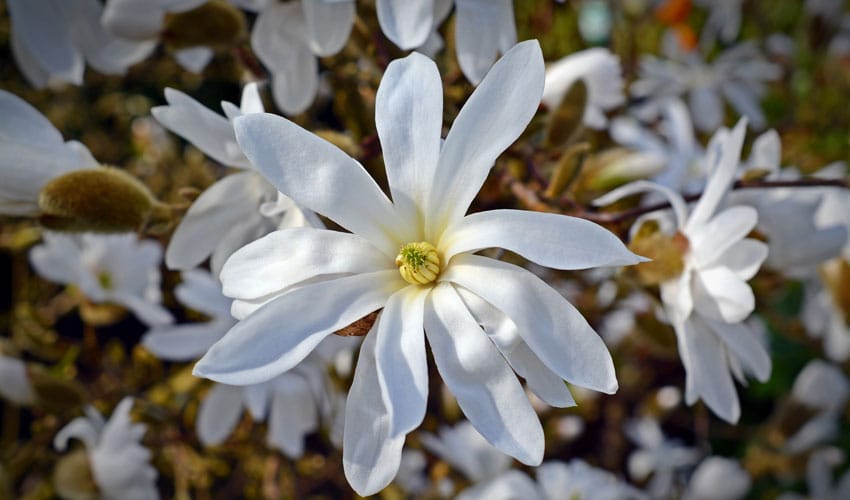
(418, 263)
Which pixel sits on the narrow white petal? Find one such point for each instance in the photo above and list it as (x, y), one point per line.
(742, 342)
(208, 131)
(328, 24)
(730, 226)
(370, 457)
(677, 203)
(708, 377)
(721, 295)
(321, 177)
(283, 332)
(25, 124)
(408, 116)
(766, 152)
(722, 176)
(483, 28)
(286, 257)
(490, 121)
(551, 240)
(218, 414)
(186, 342)
(744, 258)
(510, 484)
(551, 326)
(194, 59)
(46, 41)
(706, 108)
(293, 415)
(16, 386)
(228, 203)
(400, 357)
(202, 292)
(132, 19)
(486, 388)
(80, 428)
(407, 23)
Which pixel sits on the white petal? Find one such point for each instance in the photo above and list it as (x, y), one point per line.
(132, 19)
(545, 383)
(218, 414)
(202, 292)
(400, 357)
(80, 428)
(370, 457)
(730, 226)
(406, 22)
(482, 28)
(321, 177)
(744, 258)
(490, 121)
(293, 415)
(509, 485)
(289, 256)
(283, 332)
(208, 131)
(486, 388)
(677, 203)
(194, 59)
(149, 312)
(328, 24)
(408, 117)
(742, 342)
(550, 325)
(745, 102)
(226, 204)
(186, 342)
(722, 176)
(28, 64)
(551, 240)
(708, 377)
(46, 41)
(721, 295)
(706, 108)
(25, 124)
(16, 386)
(766, 152)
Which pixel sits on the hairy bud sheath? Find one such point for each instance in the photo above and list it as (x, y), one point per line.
(102, 199)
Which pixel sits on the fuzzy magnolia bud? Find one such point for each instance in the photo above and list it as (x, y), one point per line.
(73, 478)
(102, 199)
(567, 169)
(214, 24)
(667, 253)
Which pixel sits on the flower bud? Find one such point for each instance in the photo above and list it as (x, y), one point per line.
(566, 120)
(102, 199)
(214, 24)
(567, 169)
(73, 478)
(55, 393)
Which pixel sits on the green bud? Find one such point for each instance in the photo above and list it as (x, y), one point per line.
(567, 169)
(73, 478)
(216, 24)
(55, 393)
(102, 199)
(565, 122)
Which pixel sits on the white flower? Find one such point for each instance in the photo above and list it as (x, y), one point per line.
(413, 257)
(718, 478)
(819, 472)
(483, 29)
(107, 268)
(16, 386)
(288, 37)
(823, 388)
(739, 75)
(237, 209)
(602, 74)
(708, 302)
(724, 20)
(53, 39)
(32, 152)
(294, 401)
(467, 451)
(656, 455)
(120, 465)
(575, 480)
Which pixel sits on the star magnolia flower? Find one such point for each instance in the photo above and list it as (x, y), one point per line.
(294, 401)
(709, 300)
(288, 37)
(32, 152)
(739, 75)
(115, 269)
(49, 52)
(244, 203)
(413, 257)
(483, 28)
(119, 464)
(656, 455)
(603, 76)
